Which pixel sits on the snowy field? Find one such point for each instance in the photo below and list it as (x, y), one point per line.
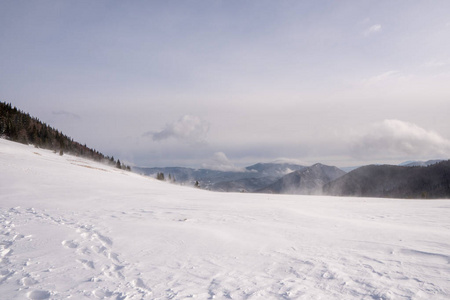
(73, 228)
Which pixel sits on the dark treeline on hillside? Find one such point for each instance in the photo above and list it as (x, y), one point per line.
(19, 126)
(394, 182)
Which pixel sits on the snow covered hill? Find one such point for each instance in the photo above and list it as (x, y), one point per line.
(73, 228)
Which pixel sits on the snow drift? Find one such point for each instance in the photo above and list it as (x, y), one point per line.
(73, 228)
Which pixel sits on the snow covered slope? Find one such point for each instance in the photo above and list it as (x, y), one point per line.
(73, 228)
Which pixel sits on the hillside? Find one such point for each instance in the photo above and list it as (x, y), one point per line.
(75, 228)
(308, 181)
(18, 126)
(394, 182)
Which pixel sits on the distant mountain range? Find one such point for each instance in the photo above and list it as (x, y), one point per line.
(414, 179)
(253, 178)
(278, 178)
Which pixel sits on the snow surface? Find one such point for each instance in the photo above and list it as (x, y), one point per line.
(73, 228)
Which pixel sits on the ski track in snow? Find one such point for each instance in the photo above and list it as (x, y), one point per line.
(150, 240)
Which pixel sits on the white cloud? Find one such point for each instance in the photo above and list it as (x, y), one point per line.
(395, 138)
(372, 29)
(220, 162)
(188, 128)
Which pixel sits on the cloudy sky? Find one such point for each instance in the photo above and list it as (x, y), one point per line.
(230, 83)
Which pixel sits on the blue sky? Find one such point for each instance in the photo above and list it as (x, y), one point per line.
(164, 83)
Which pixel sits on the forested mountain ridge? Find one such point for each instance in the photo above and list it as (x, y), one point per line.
(19, 126)
(394, 182)
(308, 181)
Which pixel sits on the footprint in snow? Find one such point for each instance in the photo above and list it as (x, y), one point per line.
(328, 275)
(84, 251)
(139, 284)
(5, 252)
(102, 294)
(28, 281)
(70, 244)
(87, 263)
(104, 239)
(38, 295)
(113, 256)
(18, 237)
(5, 274)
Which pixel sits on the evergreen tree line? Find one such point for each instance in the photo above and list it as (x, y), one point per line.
(19, 126)
(160, 176)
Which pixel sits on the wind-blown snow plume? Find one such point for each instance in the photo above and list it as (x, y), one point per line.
(398, 138)
(221, 162)
(188, 128)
